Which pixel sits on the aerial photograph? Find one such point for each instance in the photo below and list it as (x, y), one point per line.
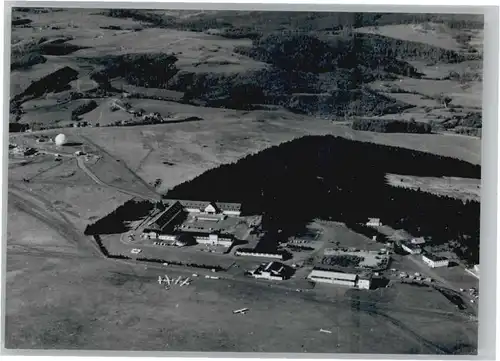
(243, 181)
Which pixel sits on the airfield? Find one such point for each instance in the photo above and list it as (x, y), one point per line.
(63, 293)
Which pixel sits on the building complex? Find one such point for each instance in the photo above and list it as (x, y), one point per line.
(434, 261)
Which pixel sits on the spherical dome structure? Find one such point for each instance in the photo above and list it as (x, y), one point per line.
(60, 139)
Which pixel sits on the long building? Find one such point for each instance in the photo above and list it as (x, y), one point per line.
(353, 279)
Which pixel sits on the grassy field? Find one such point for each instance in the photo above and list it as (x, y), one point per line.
(196, 318)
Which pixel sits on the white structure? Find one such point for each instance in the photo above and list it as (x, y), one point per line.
(338, 278)
(272, 271)
(60, 139)
(364, 283)
(258, 254)
(419, 240)
(214, 240)
(167, 237)
(210, 208)
(373, 222)
(435, 261)
(411, 248)
(349, 279)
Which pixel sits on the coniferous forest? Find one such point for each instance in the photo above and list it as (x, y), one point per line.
(337, 179)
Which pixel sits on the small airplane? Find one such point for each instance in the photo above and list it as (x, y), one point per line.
(240, 311)
(185, 282)
(177, 280)
(167, 279)
(160, 280)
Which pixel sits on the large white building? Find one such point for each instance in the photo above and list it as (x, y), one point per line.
(411, 248)
(434, 261)
(419, 240)
(349, 279)
(210, 208)
(275, 271)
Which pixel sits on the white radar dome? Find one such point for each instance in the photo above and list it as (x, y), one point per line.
(60, 139)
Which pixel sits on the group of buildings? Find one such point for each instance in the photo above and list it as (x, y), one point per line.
(414, 247)
(163, 226)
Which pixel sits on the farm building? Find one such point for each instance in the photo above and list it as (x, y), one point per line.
(272, 271)
(473, 271)
(252, 253)
(165, 221)
(434, 261)
(419, 240)
(349, 279)
(210, 208)
(411, 248)
(373, 222)
(29, 151)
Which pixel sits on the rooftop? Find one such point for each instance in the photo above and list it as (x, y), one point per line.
(162, 219)
(434, 257)
(203, 204)
(410, 245)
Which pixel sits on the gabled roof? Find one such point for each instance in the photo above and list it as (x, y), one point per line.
(224, 206)
(162, 219)
(411, 245)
